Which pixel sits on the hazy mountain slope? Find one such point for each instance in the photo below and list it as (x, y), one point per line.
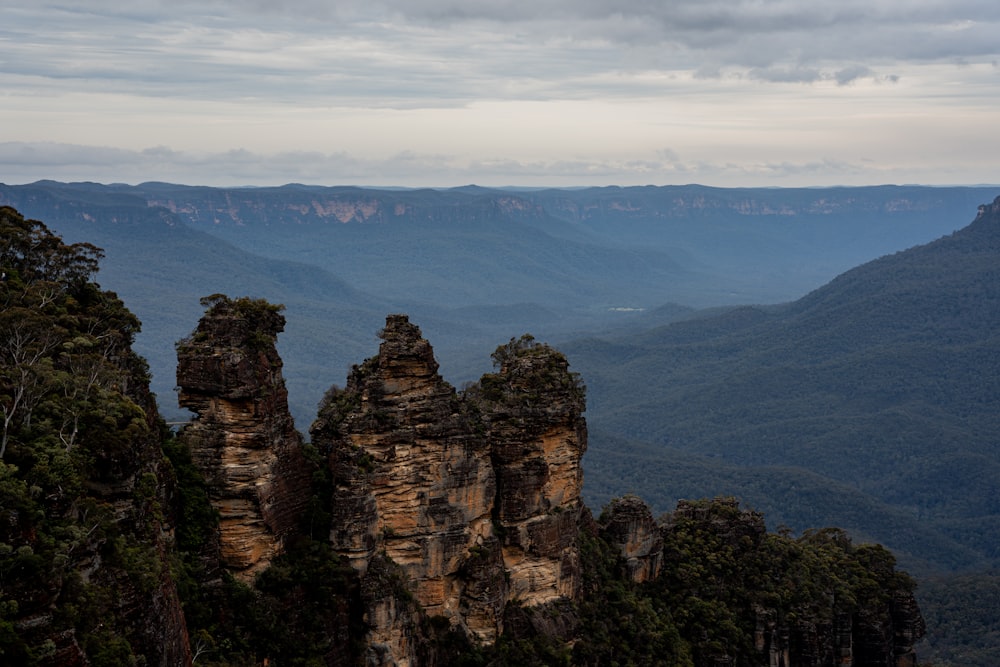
(772, 244)
(886, 381)
(161, 268)
(437, 247)
(473, 266)
(637, 246)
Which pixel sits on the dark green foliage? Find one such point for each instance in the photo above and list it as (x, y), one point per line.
(724, 579)
(305, 609)
(77, 436)
(196, 524)
(527, 370)
(621, 624)
(965, 610)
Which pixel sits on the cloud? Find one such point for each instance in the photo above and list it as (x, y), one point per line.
(391, 52)
(445, 91)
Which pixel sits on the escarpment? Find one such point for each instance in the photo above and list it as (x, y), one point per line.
(243, 438)
(475, 496)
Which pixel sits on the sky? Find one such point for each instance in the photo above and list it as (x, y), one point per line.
(536, 93)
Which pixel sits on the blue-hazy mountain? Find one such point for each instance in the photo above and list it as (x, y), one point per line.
(883, 386)
(473, 266)
(867, 400)
(872, 403)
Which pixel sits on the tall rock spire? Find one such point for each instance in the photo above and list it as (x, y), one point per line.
(243, 438)
(474, 496)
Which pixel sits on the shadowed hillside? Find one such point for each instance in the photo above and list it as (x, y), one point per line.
(872, 403)
(884, 382)
(469, 263)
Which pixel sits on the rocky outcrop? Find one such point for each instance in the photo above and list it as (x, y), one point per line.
(243, 438)
(533, 408)
(476, 497)
(413, 481)
(628, 524)
(459, 513)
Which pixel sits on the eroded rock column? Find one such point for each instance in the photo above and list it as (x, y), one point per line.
(412, 479)
(533, 407)
(243, 438)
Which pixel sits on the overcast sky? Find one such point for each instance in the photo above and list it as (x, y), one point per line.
(505, 92)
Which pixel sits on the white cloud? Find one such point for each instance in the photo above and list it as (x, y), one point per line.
(781, 88)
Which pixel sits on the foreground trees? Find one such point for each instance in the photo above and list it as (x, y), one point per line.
(81, 504)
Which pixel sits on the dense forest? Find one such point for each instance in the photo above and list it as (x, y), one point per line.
(83, 498)
(106, 525)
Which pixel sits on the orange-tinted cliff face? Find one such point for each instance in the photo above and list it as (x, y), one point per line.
(475, 496)
(462, 511)
(413, 478)
(533, 408)
(243, 438)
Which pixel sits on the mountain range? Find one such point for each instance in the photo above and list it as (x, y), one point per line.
(869, 403)
(469, 262)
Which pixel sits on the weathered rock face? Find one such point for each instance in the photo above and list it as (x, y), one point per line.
(476, 497)
(243, 439)
(628, 524)
(413, 479)
(533, 407)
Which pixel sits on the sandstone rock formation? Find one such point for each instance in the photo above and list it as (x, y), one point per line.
(413, 480)
(628, 524)
(460, 512)
(243, 438)
(475, 496)
(533, 409)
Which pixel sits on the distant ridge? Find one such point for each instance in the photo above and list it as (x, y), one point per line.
(470, 263)
(886, 380)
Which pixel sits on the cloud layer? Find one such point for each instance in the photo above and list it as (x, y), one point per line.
(737, 88)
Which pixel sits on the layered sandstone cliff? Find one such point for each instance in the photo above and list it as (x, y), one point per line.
(460, 512)
(628, 524)
(413, 480)
(476, 497)
(243, 438)
(533, 410)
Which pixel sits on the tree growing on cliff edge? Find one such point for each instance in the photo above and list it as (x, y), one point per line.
(81, 493)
